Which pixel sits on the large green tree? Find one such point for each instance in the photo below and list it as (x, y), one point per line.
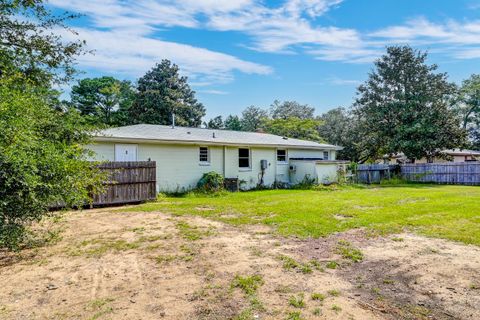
(162, 92)
(104, 100)
(404, 106)
(338, 127)
(42, 161)
(291, 109)
(215, 123)
(233, 122)
(306, 129)
(468, 107)
(253, 118)
(31, 44)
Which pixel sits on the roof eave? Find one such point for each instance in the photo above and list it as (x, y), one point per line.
(202, 142)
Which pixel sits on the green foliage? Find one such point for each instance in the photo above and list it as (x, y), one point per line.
(30, 46)
(339, 127)
(404, 106)
(211, 182)
(294, 315)
(41, 159)
(307, 183)
(215, 123)
(252, 118)
(318, 296)
(291, 109)
(297, 301)
(104, 100)
(248, 284)
(162, 92)
(468, 107)
(347, 251)
(306, 129)
(233, 123)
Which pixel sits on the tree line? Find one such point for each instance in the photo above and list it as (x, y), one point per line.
(405, 106)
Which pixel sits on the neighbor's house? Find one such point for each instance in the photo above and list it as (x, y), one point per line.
(183, 155)
(452, 155)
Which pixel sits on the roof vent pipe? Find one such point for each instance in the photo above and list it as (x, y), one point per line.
(173, 120)
(213, 134)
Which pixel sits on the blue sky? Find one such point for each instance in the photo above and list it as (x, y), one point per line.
(238, 53)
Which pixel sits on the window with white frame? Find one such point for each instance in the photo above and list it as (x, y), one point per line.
(204, 155)
(281, 155)
(244, 158)
(325, 155)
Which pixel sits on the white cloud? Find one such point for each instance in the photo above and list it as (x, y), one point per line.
(133, 55)
(126, 34)
(124, 39)
(456, 39)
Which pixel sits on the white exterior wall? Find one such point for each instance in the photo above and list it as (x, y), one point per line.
(326, 172)
(251, 176)
(178, 166)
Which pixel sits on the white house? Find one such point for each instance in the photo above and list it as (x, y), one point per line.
(183, 155)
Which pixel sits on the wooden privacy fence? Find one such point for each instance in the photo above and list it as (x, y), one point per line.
(466, 173)
(374, 173)
(129, 181)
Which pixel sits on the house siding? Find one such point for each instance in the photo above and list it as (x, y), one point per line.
(179, 168)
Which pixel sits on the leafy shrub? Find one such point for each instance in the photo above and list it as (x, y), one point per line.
(306, 184)
(42, 162)
(210, 182)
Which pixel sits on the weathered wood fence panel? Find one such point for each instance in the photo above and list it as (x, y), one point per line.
(465, 173)
(374, 173)
(129, 181)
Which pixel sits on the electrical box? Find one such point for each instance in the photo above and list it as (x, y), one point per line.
(293, 168)
(263, 164)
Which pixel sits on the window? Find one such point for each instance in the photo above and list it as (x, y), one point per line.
(243, 158)
(204, 155)
(325, 155)
(282, 155)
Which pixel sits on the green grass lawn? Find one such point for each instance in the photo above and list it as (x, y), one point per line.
(451, 212)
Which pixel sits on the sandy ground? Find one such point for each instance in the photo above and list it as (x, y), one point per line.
(117, 265)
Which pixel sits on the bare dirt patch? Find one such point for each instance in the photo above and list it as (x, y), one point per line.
(137, 265)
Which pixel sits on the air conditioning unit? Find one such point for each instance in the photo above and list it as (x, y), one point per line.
(293, 168)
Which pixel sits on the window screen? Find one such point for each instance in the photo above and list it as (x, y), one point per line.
(203, 154)
(282, 155)
(325, 155)
(243, 158)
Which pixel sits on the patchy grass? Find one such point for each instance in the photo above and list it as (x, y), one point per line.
(100, 246)
(318, 296)
(100, 307)
(347, 251)
(332, 265)
(297, 301)
(333, 293)
(248, 284)
(448, 212)
(291, 264)
(294, 315)
(193, 233)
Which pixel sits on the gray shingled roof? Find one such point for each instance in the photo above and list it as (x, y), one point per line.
(198, 135)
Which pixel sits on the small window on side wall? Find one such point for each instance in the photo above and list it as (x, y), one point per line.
(204, 155)
(243, 158)
(325, 155)
(281, 155)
